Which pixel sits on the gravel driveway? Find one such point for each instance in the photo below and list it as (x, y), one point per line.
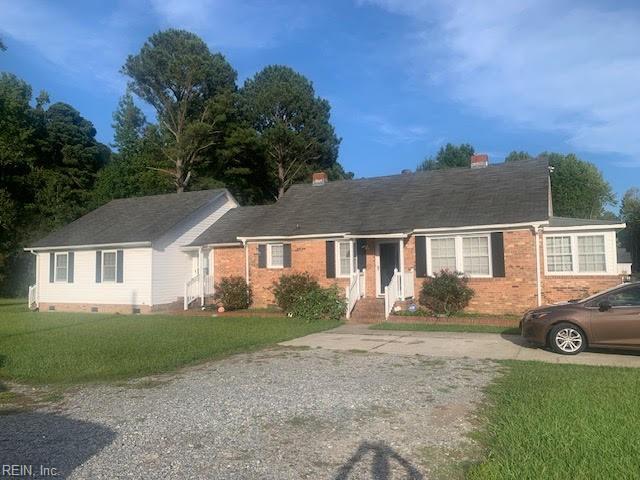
(274, 414)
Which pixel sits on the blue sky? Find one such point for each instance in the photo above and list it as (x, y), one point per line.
(403, 76)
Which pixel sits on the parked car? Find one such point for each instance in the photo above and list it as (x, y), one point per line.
(608, 319)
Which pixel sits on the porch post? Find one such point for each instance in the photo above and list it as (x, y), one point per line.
(201, 276)
(400, 245)
(351, 259)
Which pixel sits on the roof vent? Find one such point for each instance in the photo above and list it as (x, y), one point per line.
(319, 178)
(480, 160)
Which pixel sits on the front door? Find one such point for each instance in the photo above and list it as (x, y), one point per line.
(389, 261)
(620, 324)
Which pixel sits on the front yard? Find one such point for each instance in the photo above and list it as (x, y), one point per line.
(66, 348)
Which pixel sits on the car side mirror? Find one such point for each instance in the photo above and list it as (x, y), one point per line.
(604, 305)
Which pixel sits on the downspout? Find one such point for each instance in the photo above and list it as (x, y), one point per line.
(537, 231)
(246, 261)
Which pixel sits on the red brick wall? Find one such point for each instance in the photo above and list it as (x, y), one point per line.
(515, 293)
(86, 307)
(228, 262)
(306, 256)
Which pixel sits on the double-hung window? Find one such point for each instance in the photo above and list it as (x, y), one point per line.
(109, 266)
(591, 254)
(576, 253)
(468, 254)
(275, 255)
(62, 267)
(559, 254)
(343, 259)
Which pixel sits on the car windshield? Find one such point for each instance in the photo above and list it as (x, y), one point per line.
(591, 297)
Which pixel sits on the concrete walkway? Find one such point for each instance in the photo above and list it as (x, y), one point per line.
(449, 344)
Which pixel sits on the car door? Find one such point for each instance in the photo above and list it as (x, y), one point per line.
(615, 318)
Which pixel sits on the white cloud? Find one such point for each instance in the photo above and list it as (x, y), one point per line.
(230, 23)
(572, 68)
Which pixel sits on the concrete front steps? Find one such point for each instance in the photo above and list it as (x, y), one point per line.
(368, 310)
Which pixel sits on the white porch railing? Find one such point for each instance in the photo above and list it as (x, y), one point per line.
(197, 287)
(408, 279)
(355, 290)
(392, 293)
(33, 297)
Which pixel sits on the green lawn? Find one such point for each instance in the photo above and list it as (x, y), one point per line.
(66, 348)
(432, 327)
(562, 422)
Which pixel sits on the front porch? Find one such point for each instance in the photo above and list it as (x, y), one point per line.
(378, 272)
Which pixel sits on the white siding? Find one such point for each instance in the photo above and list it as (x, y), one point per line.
(172, 267)
(135, 289)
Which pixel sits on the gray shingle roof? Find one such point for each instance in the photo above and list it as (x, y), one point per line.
(503, 193)
(138, 219)
(579, 222)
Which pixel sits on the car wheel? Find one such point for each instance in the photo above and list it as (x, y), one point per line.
(567, 339)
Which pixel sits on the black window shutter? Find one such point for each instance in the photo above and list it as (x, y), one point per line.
(421, 257)
(286, 255)
(497, 254)
(98, 266)
(262, 256)
(331, 259)
(361, 253)
(70, 264)
(52, 267)
(119, 266)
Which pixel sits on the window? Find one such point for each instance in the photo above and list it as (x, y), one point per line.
(591, 256)
(475, 254)
(108, 266)
(62, 263)
(275, 255)
(443, 254)
(629, 297)
(343, 259)
(559, 258)
(576, 253)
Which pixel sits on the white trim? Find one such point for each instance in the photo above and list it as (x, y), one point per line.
(269, 259)
(616, 226)
(90, 247)
(336, 257)
(537, 234)
(401, 255)
(290, 237)
(609, 258)
(192, 248)
(459, 253)
(379, 235)
(378, 275)
(115, 276)
(55, 267)
(499, 226)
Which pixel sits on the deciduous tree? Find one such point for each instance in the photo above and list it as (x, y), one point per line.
(630, 236)
(449, 156)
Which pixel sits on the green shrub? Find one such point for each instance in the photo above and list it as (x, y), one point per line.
(233, 293)
(446, 293)
(290, 289)
(320, 304)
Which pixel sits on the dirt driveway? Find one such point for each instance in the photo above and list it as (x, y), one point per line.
(276, 414)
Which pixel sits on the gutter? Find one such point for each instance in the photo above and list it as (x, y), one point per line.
(91, 246)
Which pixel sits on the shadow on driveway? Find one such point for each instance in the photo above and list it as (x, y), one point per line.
(54, 441)
(381, 466)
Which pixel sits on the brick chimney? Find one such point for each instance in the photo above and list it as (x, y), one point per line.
(479, 160)
(319, 178)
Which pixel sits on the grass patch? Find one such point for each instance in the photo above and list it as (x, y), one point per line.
(440, 327)
(561, 422)
(69, 348)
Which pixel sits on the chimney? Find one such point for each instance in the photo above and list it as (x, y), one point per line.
(319, 178)
(479, 160)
